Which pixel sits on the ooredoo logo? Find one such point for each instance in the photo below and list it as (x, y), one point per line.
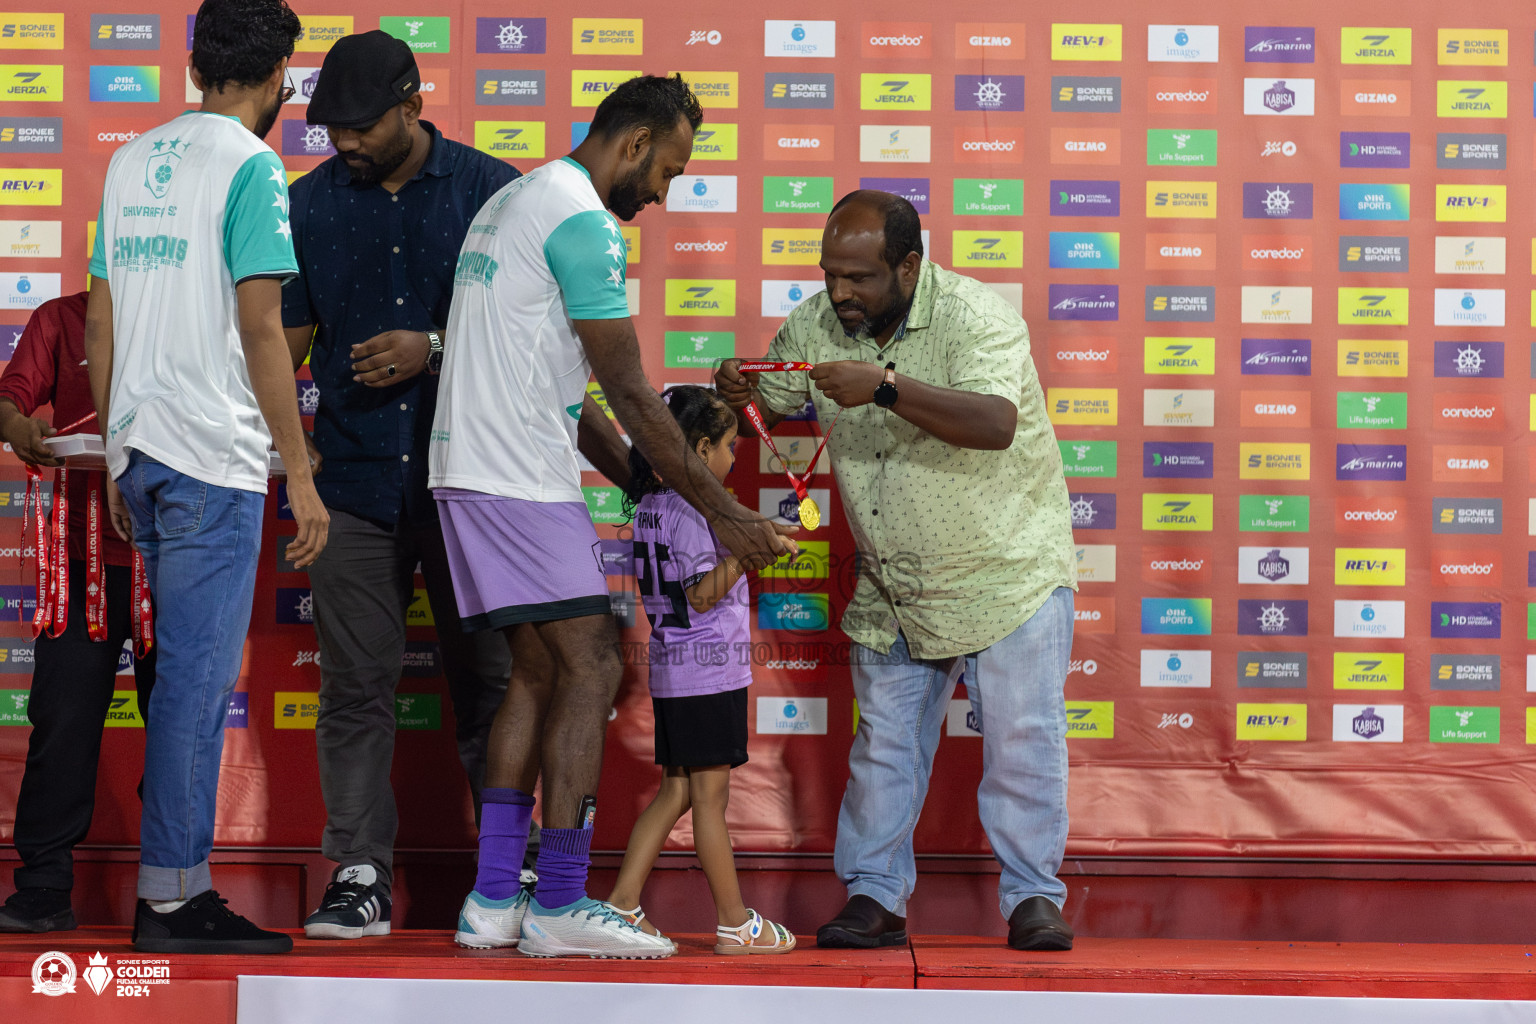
(897, 39)
(1463, 410)
(1077, 354)
(1462, 568)
(701, 245)
(991, 145)
(1373, 514)
(1182, 95)
(1181, 565)
(1286, 252)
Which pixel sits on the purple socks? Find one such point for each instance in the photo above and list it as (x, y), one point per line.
(564, 854)
(504, 818)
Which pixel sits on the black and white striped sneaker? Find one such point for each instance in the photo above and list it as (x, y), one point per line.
(351, 908)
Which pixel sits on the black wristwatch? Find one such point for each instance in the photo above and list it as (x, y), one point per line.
(435, 357)
(885, 394)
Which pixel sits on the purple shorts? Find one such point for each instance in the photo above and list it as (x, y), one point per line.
(518, 561)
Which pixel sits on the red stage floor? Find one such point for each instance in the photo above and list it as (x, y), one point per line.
(203, 988)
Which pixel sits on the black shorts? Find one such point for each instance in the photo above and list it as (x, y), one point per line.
(697, 732)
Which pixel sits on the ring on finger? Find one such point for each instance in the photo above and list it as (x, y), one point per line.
(390, 371)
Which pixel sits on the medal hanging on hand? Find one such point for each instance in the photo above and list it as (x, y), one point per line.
(810, 512)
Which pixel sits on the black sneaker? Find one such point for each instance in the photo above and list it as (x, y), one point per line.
(350, 909)
(204, 924)
(37, 910)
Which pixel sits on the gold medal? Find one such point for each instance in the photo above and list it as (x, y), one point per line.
(810, 513)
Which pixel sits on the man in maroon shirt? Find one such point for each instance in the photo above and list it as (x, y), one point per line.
(73, 676)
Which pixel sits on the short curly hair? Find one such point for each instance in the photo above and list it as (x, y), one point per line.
(239, 42)
(649, 101)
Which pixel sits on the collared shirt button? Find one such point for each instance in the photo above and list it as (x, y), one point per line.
(405, 458)
(394, 199)
(399, 302)
(404, 407)
(898, 604)
(397, 248)
(874, 511)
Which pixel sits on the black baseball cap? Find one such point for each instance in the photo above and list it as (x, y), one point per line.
(362, 77)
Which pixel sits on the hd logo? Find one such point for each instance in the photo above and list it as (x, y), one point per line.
(1178, 512)
(510, 140)
(989, 249)
(895, 92)
(700, 298)
(1384, 306)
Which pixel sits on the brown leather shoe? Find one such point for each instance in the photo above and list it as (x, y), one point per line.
(862, 924)
(1037, 924)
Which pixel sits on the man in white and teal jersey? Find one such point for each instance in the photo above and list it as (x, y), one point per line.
(191, 380)
(539, 306)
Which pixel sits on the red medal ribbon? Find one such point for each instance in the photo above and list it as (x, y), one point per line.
(762, 366)
(143, 610)
(95, 588)
(797, 482)
(52, 613)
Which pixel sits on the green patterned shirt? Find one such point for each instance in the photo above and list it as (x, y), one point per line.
(957, 547)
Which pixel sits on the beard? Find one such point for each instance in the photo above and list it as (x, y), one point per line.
(626, 198)
(268, 118)
(369, 170)
(873, 323)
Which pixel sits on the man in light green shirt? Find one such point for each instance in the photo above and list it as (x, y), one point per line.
(952, 481)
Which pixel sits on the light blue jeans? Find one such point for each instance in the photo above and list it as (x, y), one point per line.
(200, 543)
(1015, 687)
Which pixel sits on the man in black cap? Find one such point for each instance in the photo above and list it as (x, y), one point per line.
(377, 230)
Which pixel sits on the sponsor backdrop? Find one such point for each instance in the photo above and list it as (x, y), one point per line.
(1275, 278)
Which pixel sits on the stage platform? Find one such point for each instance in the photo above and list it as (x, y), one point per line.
(205, 988)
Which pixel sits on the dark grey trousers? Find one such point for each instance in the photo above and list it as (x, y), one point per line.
(362, 586)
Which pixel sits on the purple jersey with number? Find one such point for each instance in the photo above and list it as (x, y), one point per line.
(692, 653)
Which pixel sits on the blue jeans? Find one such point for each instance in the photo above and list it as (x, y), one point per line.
(1015, 687)
(200, 544)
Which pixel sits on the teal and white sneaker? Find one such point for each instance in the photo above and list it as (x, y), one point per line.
(491, 924)
(592, 928)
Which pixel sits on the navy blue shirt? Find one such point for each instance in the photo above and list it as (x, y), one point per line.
(371, 262)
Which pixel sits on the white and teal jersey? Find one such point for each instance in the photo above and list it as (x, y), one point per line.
(541, 253)
(189, 210)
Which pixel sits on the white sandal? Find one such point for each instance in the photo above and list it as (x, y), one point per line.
(742, 940)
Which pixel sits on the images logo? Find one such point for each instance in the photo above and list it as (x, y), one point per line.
(703, 193)
(1368, 619)
(1479, 98)
(1376, 46)
(509, 35)
(1080, 94)
(1272, 722)
(792, 716)
(1085, 198)
(1264, 45)
(879, 91)
(1192, 460)
(1176, 668)
(1469, 307)
(1180, 512)
(1188, 44)
(989, 92)
(1176, 616)
(799, 39)
(780, 297)
(1085, 42)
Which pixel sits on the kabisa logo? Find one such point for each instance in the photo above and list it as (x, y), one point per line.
(796, 612)
(799, 38)
(1092, 511)
(704, 193)
(1355, 723)
(1261, 565)
(1085, 198)
(1279, 97)
(1084, 302)
(1277, 356)
(1272, 617)
(509, 35)
(1265, 45)
(989, 92)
